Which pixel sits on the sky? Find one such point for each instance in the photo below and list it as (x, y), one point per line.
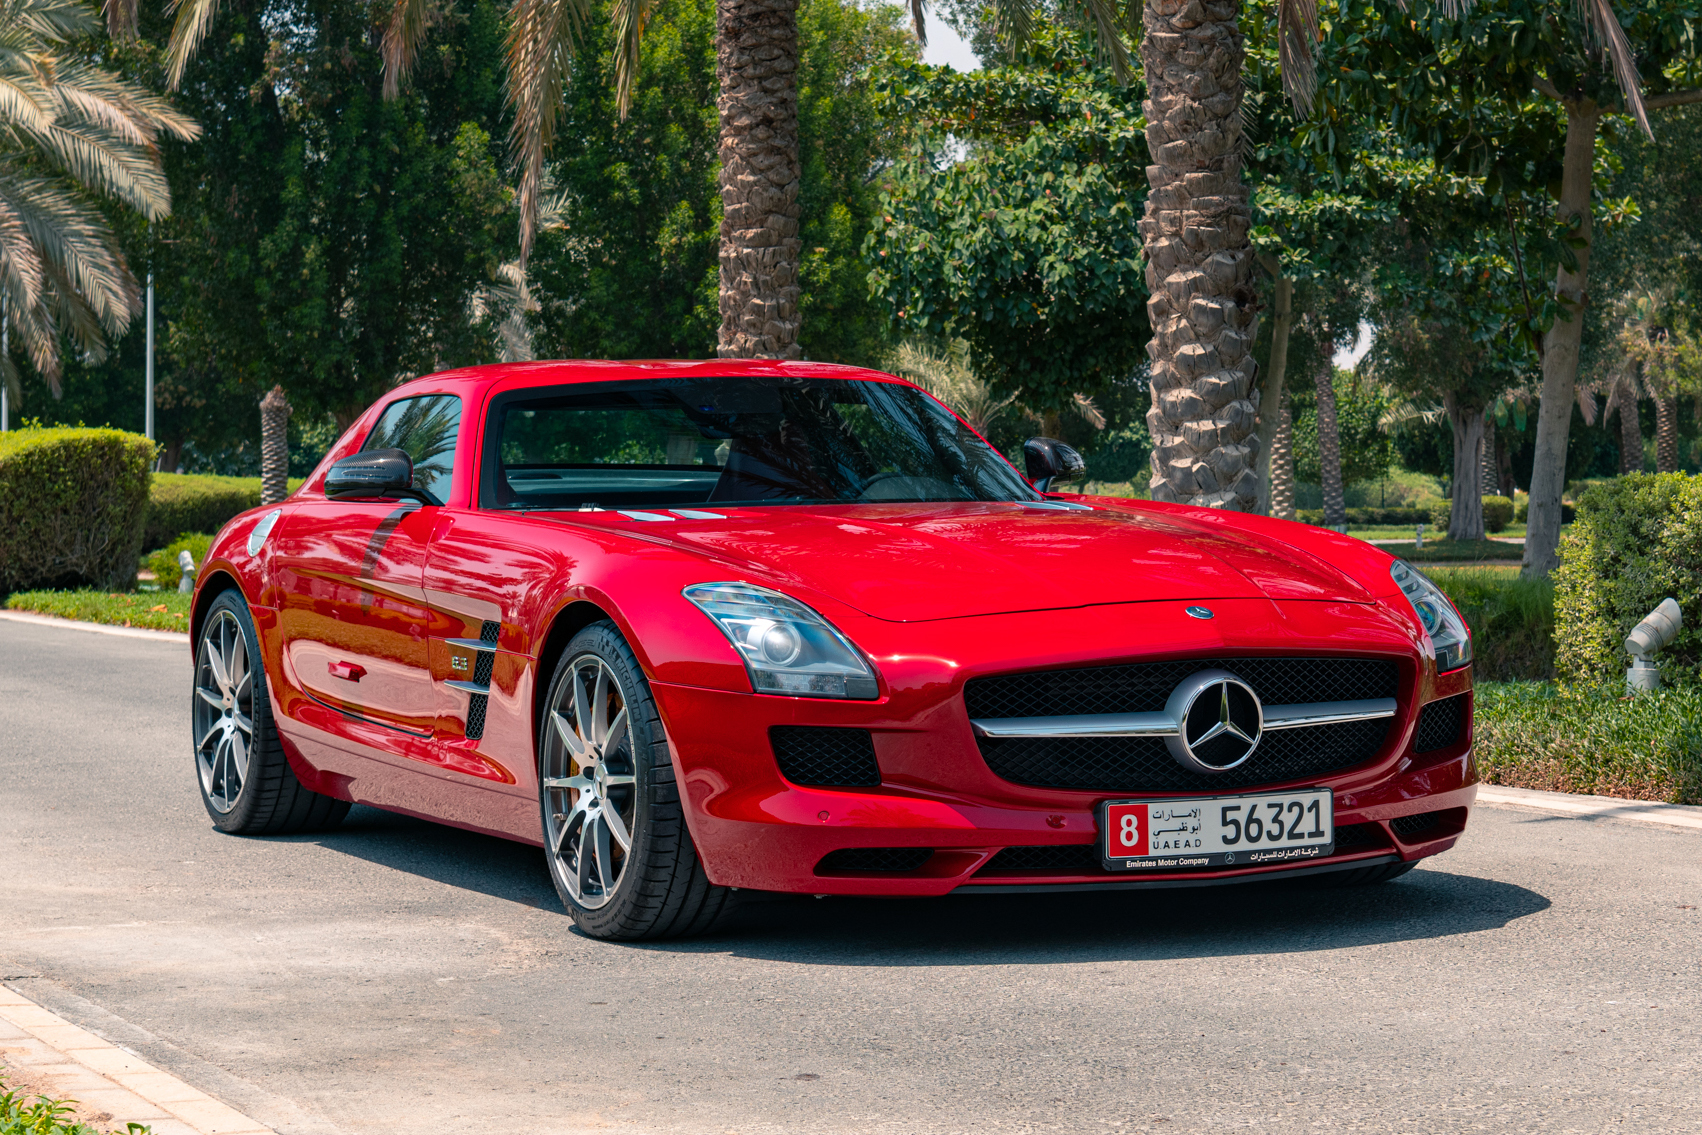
(944, 46)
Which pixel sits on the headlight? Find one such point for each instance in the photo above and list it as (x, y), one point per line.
(1442, 623)
(787, 647)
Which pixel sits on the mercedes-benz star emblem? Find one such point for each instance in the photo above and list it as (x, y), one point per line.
(1199, 612)
(1218, 721)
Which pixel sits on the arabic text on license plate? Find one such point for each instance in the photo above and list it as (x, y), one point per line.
(1218, 831)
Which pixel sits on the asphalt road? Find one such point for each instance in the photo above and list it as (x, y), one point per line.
(400, 977)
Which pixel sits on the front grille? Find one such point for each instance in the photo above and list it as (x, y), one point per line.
(825, 756)
(1144, 687)
(1073, 858)
(874, 859)
(1408, 826)
(1144, 764)
(1439, 724)
(1352, 837)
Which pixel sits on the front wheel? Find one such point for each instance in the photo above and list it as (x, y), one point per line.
(246, 781)
(613, 821)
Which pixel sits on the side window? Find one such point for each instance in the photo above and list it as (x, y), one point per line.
(425, 429)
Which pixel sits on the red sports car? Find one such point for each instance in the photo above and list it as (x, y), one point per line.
(697, 628)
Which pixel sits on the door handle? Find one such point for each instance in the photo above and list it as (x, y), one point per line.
(347, 670)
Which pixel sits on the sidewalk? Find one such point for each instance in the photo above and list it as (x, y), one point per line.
(1592, 807)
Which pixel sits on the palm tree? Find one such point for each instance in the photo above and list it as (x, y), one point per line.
(70, 133)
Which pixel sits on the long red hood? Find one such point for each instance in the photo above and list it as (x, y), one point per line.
(909, 562)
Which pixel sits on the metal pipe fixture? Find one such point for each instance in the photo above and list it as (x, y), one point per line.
(1657, 630)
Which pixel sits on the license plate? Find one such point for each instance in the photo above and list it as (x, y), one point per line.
(1218, 831)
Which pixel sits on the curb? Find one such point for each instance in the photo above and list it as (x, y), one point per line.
(79, 1065)
(177, 638)
(1685, 816)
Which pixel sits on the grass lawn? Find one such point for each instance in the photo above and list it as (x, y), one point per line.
(1449, 551)
(1405, 532)
(1648, 747)
(158, 610)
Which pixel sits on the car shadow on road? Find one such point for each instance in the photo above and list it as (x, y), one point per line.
(1258, 918)
(454, 857)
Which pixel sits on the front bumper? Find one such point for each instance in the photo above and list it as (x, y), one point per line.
(756, 830)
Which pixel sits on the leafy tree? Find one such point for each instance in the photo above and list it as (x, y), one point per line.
(1367, 449)
(1518, 91)
(1029, 248)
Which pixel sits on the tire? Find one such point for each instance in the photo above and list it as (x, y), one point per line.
(1365, 876)
(605, 778)
(246, 782)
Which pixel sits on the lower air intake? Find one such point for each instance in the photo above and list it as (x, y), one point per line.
(1440, 724)
(1408, 826)
(874, 859)
(825, 757)
(1071, 858)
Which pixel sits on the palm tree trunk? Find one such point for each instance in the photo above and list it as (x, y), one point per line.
(1630, 431)
(1330, 449)
(1489, 473)
(1666, 434)
(274, 446)
(1199, 264)
(1282, 466)
(1271, 403)
(1465, 518)
(757, 64)
(1560, 346)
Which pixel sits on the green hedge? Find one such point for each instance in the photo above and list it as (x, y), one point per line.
(163, 562)
(1636, 541)
(194, 502)
(1497, 513)
(1367, 516)
(1521, 512)
(1512, 621)
(72, 503)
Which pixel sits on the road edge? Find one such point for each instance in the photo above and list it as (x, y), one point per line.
(1686, 816)
(176, 638)
(77, 1064)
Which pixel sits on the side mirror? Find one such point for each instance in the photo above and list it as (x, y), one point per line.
(375, 473)
(1049, 462)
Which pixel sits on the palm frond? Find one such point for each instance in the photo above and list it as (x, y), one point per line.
(630, 18)
(120, 105)
(402, 39)
(194, 21)
(1108, 26)
(1013, 23)
(1297, 37)
(1603, 23)
(72, 236)
(120, 18)
(918, 22)
(543, 36)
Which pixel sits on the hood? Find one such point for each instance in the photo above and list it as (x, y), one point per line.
(912, 562)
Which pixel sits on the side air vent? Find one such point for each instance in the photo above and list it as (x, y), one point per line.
(485, 662)
(874, 859)
(824, 756)
(1440, 724)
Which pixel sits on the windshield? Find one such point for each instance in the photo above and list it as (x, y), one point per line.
(761, 440)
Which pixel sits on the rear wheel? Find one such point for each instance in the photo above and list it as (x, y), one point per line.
(614, 824)
(246, 782)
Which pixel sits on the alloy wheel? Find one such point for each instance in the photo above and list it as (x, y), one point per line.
(589, 782)
(223, 711)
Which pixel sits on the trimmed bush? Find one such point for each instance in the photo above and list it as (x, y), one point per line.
(163, 563)
(1368, 516)
(72, 503)
(1497, 513)
(1512, 621)
(1637, 540)
(196, 502)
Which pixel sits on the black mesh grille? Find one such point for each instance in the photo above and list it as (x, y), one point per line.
(1408, 826)
(814, 754)
(476, 716)
(483, 666)
(875, 859)
(1144, 764)
(1355, 836)
(1144, 687)
(489, 631)
(1071, 857)
(1439, 724)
